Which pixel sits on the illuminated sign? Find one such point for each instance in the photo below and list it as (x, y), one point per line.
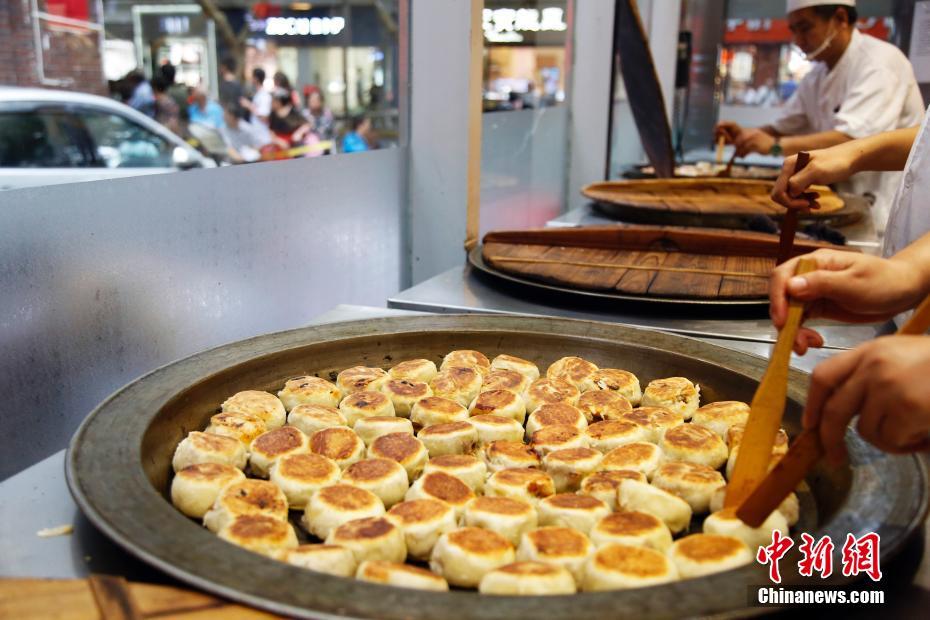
(506, 25)
(304, 26)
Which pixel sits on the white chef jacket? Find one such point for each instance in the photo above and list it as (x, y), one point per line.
(910, 212)
(870, 90)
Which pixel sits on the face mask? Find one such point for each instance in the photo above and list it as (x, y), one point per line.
(822, 47)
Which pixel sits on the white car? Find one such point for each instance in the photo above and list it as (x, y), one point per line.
(52, 136)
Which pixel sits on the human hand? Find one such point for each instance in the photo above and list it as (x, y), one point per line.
(846, 286)
(825, 166)
(885, 382)
(728, 129)
(753, 141)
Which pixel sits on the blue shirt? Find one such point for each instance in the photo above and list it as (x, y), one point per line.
(353, 143)
(212, 116)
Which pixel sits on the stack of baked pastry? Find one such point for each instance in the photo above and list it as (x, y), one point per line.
(478, 474)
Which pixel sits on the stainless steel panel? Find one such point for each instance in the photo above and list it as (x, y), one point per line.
(104, 281)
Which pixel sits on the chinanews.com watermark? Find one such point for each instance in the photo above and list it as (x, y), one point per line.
(859, 558)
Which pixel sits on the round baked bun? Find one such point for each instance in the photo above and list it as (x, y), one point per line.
(364, 404)
(620, 381)
(569, 467)
(511, 518)
(491, 428)
(631, 527)
(442, 486)
(579, 372)
(790, 507)
(309, 390)
(504, 403)
(524, 367)
(639, 456)
(272, 445)
(500, 455)
(244, 427)
(557, 437)
(465, 555)
(403, 448)
(370, 538)
(548, 392)
(361, 378)
(259, 533)
(400, 576)
(405, 393)
(329, 559)
(466, 358)
(580, 512)
(449, 438)
(302, 475)
(199, 447)
(195, 488)
(655, 420)
(530, 485)
(504, 379)
(676, 394)
(696, 484)
(528, 579)
(598, 405)
(383, 477)
(604, 484)
(559, 546)
(338, 443)
(721, 416)
(422, 521)
(726, 523)
(674, 511)
(414, 370)
(616, 566)
(246, 497)
(313, 418)
(459, 384)
(694, 444)
(609, 434)
(704, 554)
(437, 410)
(334, 505)
(555, 415)
(369, 429)
(260, 404)
(466, 467)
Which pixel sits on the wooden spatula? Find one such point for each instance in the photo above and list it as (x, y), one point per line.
(789, 223)
(804, 452)
(766, 409)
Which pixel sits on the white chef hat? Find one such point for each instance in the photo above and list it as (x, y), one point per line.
(796, 5)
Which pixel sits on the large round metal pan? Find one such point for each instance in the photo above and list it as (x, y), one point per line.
(477, 261)
(118, 465)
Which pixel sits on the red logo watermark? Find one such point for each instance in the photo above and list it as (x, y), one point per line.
(859, 556)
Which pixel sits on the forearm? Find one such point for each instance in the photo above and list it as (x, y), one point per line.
(884, 151)
(812, 141)
(917, 256)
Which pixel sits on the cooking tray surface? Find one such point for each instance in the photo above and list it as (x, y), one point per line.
(118, 464)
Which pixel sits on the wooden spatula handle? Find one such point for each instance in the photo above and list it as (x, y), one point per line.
(789, 223)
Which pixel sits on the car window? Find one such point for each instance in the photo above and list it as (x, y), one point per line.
(121, 143)
(45, 139)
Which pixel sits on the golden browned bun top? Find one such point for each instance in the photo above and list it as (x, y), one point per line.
(629, 523)
(337, 442)
(208, 442)
(279, 441)
(455, 378)
(325, 412)
(553, 391)
(612, 428)
(358, 377)
(263, 527)
(539, 569)
(379, 570)
(630, 560)
(347, 497)
(504, 379)
(407, 388)
(479, 541)
(555, 434)
(630, 454)
(607, 480)
(708, 548)
(500, 505)
(614, 379)
(493, 400)
(690, 472)
(448, 428)
(252, 401)
(725, 409)
(604, 405)
(559, 541)
(249, 496)
(571, 369)
(209, 471)
(572, 455)
(391, 419)
(536, 482)
(735, 437)
(417, 510)
(671, 388)
(306, 467)
(366, 528)
(370, 470)
(490, 419)
(240, 420)
(447, 488)
(514, 360)
(409, 368)
(467, 358)
(571, 501)
(514, 450)
(438, 404)
(399, 447)
(653, 417)
(552, 414)
(692, 437)
(308, 384)
(454, 461)
(311, 548)
(366, 400)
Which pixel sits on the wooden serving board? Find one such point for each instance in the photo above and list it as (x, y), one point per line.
(703, 196)
(647, 261)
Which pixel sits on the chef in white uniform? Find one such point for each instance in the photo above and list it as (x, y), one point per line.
(858, 86)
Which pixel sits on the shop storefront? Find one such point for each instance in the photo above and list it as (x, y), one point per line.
(180, 35)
